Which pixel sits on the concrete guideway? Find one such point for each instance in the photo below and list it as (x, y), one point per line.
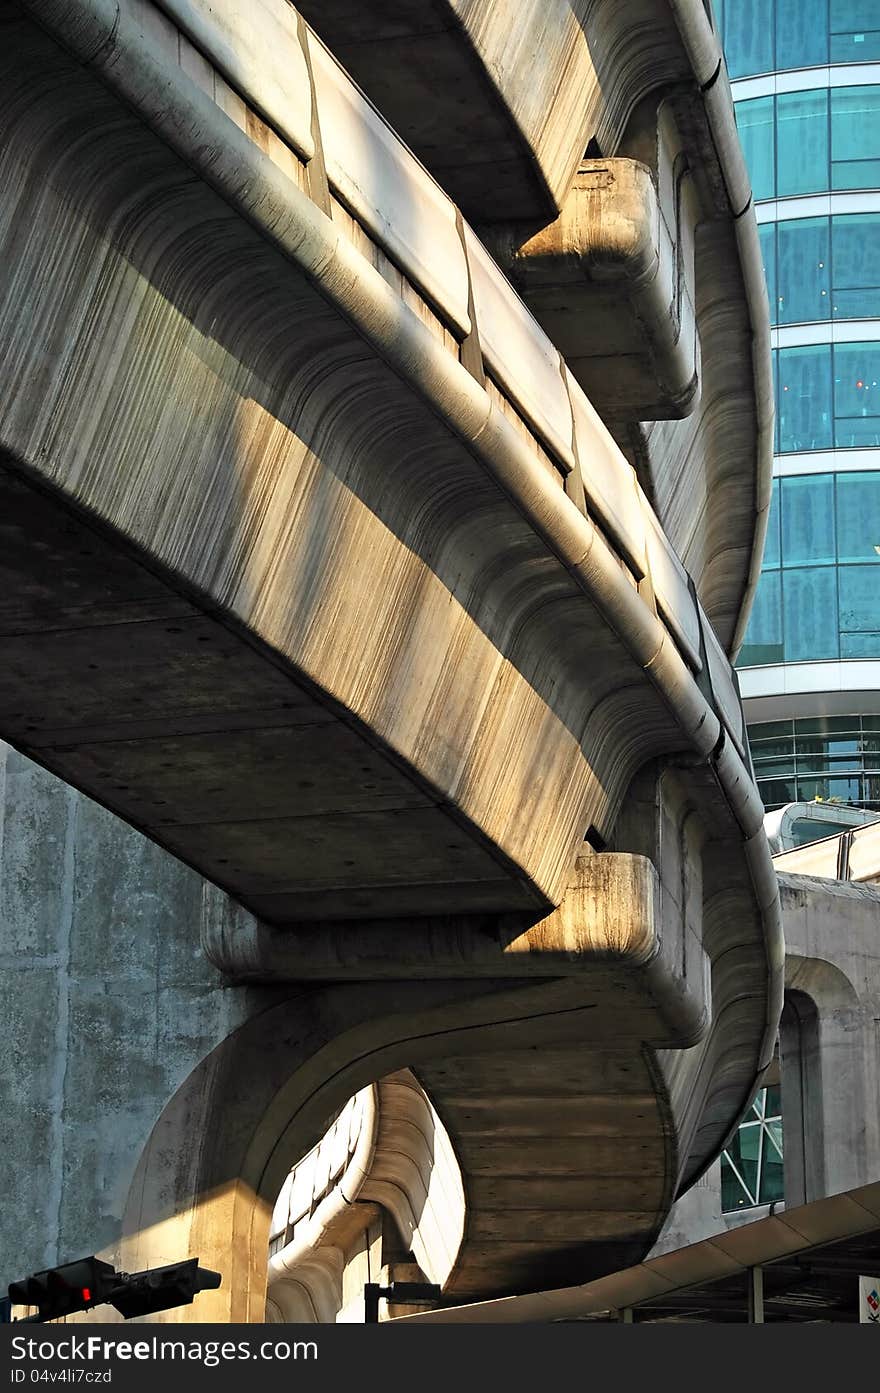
(362, 614)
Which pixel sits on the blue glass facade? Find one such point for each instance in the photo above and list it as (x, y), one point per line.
(818, 598)
(751, 1164)
(809, 142)
(827, 397)
(765, 36)
(819, 593)
(822, 268)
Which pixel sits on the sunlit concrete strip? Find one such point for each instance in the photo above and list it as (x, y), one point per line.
(616, 911)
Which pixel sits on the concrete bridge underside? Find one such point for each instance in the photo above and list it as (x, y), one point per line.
(294, 589)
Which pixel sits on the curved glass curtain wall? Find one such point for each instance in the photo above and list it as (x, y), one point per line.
(765, 36)
(818, 597)
(825, 139)
(822, 268)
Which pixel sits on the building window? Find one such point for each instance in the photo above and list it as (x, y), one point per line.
(855, 266)
(832, 758)
(803, 403)
(822, 268)
(827, 396)
(751, 1166)
(801, 142)
(757, 133)
(855, 138)
(856, 394)
(817, 597)
(801, 33)
(761, 36)
(809, 142)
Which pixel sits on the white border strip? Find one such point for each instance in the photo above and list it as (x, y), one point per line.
(806, 80)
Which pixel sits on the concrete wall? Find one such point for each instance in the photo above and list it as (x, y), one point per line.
(107, 1004)
(829, 1056)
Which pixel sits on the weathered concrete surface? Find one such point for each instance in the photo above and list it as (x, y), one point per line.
(155, 1109)
(503, 102)
(500, 100)
(829, 1051)
(830, 1038)
(107, 1004)
(463, 639)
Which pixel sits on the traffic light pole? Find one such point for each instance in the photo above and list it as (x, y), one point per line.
(399, 1293)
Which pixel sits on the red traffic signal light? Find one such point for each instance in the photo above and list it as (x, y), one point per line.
(59, 1291)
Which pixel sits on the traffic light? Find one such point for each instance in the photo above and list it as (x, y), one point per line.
(59, 1291)
(77, 1286)
(161, 1287)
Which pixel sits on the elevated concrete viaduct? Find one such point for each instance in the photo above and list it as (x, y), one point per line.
(322, 571)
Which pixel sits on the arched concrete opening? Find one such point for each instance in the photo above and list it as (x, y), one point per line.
(802, 1103)
(218, 1156)
(379, 1199)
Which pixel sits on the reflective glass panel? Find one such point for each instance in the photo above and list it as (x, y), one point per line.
(857, 394)
(860, 645)
(858, 517)
(862, 46)
(842, 790)
(808, 520)
(733, 1195)
(804, 271)
(809, 604)
(855, 251)
(826, 725)
(767, 236)
(804, 398)
(743, 1151)
(801, 33)
(802, 142)
(763, 641)
(770, 730)
(855, 31)
(855, 137)
(852, 14)
(748, 37)
(859, 589)
(767, 749)
(772, 1178)
(774, 768)
(771, 544)
(757, 134)
(775, 792)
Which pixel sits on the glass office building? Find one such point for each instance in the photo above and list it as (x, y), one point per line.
(806, 83)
